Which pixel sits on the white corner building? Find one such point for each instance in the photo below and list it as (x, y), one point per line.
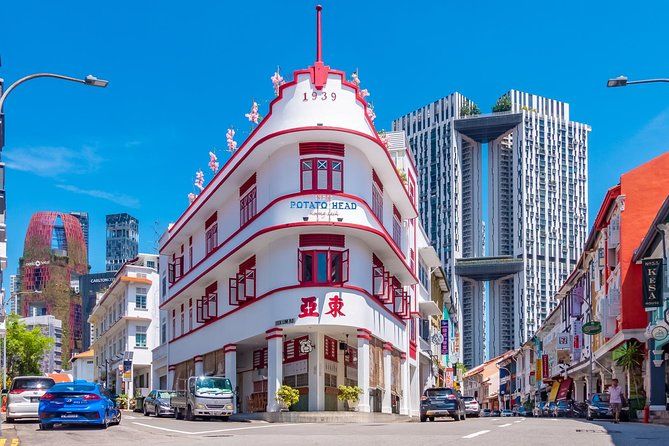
(125, 325)
(297, 263)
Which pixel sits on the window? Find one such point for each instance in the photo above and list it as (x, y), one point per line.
(377, 196)
(247, 207)
(242, 287)
(211, 233)
(321, 174)
(150, 264)
(182, 320)
(323, 266)
(381, 281)
(207, 306)
(140, 299)
(175, 270)
(174, 323)
(140, 336)
(397, 228)
(190, 252)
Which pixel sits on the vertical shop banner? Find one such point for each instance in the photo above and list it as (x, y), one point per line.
(544, 363)
(444, 334)
(577, 300)
(538, 370)
(652, 283)
(577, 340)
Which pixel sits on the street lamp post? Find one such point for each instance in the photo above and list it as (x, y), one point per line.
(622, 81)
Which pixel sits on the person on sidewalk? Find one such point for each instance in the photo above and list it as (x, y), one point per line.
(616, 399)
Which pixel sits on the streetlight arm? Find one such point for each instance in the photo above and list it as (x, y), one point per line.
(647, 81)
(89, 80)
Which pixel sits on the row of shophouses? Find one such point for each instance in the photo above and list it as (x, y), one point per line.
(619, 285)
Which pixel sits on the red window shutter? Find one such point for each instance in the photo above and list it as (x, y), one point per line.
(335, 240)
(397, 214)
(378, 281)
(344, 266)
(376, 261)
(233, 291)
(377, 180)
(211, 220)
(248, 184)
(247, 264)
(211, 288)
(321, 148)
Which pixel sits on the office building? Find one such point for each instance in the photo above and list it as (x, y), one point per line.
(89, 286)
(536, 207)
(52, 328)
(14, 288)
(122, 240)
(83, 220)
(54, 255)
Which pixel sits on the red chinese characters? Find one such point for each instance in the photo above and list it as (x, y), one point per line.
(309, 307)
(335, 304)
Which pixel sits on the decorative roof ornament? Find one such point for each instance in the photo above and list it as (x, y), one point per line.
(277, 81)
(191, 198)
(370, 112)
(213, 162)
(355, 79)
(253, 115)
(232, 144)
(364, 93)
(199, 179)
(383, 136)
(319, 71)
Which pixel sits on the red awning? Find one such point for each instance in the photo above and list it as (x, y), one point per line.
(563, 391)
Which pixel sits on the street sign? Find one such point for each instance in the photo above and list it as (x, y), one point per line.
(660, 333)
(592, 328)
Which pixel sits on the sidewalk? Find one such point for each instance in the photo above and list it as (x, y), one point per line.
(8, 436)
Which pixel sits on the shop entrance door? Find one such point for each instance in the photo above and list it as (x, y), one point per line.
(331, 392)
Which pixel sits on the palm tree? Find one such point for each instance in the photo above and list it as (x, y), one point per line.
(630, 357)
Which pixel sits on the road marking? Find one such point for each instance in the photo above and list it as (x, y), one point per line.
(130, 417)
(504, 425)
(476, 434)
(519, 421)
(214, 431)
(495, 419)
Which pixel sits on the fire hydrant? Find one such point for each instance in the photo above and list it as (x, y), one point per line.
(646, 414)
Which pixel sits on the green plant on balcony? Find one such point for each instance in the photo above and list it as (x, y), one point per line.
(469, 109)
(503, 104)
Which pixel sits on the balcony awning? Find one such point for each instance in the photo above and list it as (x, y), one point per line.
(429, 308)
(430, 257)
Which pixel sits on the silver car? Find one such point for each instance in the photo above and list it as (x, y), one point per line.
(24, 395)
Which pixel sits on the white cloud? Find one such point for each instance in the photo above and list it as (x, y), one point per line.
(121, 199)
(52, 161)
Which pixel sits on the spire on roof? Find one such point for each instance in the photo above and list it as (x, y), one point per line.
(319, 72)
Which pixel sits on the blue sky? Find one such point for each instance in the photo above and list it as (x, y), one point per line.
(182, 73)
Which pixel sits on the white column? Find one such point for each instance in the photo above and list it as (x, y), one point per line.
(230, 351)
(199, 365)
(317, 373)
(274, 367)
(578, 390)
(386, 405)
(406, 391)
(363, 369)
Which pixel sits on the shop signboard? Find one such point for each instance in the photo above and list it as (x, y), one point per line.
(544, 363)
(592, 328)
(444, 334)
(652, 283)
(576, 301)
(539, 369)
(562, 341)
(127, 369)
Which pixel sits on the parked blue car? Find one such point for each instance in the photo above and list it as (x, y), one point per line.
(78, 402)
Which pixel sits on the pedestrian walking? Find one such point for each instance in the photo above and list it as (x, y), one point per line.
(615, 399)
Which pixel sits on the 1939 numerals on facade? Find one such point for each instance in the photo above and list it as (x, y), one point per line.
(322, 95)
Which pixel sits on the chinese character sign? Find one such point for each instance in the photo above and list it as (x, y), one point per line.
(444, 334)
(335, 303)
(309, 307)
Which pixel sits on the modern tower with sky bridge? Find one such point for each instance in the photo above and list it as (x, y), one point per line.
(535, 213)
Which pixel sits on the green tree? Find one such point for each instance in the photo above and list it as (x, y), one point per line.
(629, 356)
(25, 348)
(503, 104)
(469, 109)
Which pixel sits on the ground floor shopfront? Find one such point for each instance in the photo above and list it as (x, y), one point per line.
(315, 362)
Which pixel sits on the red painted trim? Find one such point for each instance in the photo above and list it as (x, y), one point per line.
(336, 240)
(364, 336)
(377, 180)
(609, 199)
(365, 330)
(273, 336)
(248, 184)
(198, 358)
(403, 356)
(412, 349)
(388, 237)
(178, 225)
(211, 220)
(171, 368)
(274, 330)
(387, 346)
(322, 148)
(291, 287)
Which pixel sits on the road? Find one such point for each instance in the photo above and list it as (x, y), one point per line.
(140, 430)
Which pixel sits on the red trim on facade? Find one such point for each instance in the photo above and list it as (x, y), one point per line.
(377, 180)
(412, 350)
(273, 336)
(178, 226)
(365, 330)
(291, 287)
(274, 330)
(364, 336)
(322, 148)
(337, 240)
(198, 358)
(211, 220)
(403, 356)
(392, 245)
(248, 184)
(397, 214)
(387, 346)
(248, 264)
(229, 348)
(171, 368)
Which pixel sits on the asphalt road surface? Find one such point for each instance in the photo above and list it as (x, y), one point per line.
(138, 430)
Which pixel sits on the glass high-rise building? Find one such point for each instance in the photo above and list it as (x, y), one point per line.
(536, 201)
(122, 240)
(83, 219)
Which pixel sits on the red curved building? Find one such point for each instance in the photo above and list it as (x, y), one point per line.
(54, 254)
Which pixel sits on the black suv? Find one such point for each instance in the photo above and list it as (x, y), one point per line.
(441, 402)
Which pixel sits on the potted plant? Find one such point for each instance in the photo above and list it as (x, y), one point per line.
(122, 401)
(286, 396)
(350, 395)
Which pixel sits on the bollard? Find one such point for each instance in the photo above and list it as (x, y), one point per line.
(646, 414)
